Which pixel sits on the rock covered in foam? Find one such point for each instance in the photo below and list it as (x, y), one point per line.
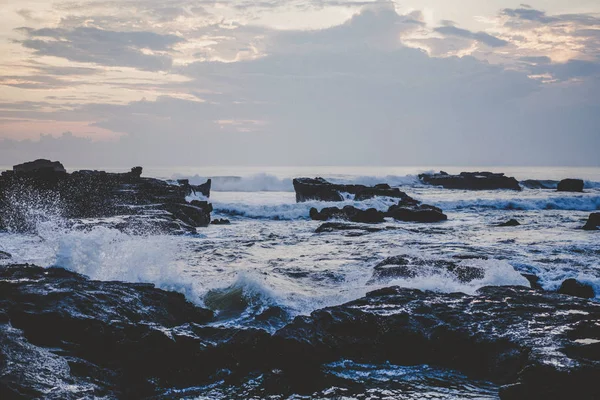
(471, 181)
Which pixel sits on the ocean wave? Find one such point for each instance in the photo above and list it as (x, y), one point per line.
(264, 182)
(495, 273)
(292, 211)
(575, 203)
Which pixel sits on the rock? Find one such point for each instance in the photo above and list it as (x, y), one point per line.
(4, 255)
(513, 336)
(221, 221)
(593, 222)
(423, 213)
(196, 214)
(471, 181)
(65, 336)
(573, 287)
(343, 226)
(350, 213)
(39, 166)
(570, 185)
(510, 222)
(44, 185)
(534, 281)
(308, 189)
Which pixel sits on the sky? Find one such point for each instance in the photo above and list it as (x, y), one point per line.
(300, 82)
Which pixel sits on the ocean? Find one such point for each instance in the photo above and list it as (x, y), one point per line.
(271, 256)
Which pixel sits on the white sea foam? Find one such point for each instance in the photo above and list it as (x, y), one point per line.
(496, 273)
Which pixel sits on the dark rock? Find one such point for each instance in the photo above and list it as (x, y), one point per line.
(510, 222)
(471, 181)
(573, 287)
(64, 336)
(534, 281)
(344, 226)
(508, 335)
(593, 222)
(349, 213)
(4, 255)
(196, 214)
(221, 221)
(570, 185)
(319, 189)
(422, 213)
(45, 186)
(38, 166)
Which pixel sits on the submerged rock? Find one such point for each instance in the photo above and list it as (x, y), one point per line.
(471, 181)
(308, 189)
(42, 187)
(221, 221)
(406, 267)
(593, 222)
(344, 226)
(510, 222)
(572, 287)
(570, 185)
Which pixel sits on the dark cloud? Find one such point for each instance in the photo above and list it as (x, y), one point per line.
(103, 47)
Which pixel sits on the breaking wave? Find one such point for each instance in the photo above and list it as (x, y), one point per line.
(575, 203)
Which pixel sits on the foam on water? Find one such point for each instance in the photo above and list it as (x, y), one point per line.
(496, 273)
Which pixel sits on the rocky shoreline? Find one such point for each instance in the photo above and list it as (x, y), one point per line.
(64, 336)
(144, 203)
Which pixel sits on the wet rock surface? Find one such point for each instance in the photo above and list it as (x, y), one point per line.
(319, 189)
(64, 336)
(471, 181)
(43, 186)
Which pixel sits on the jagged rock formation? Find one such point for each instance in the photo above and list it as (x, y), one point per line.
(319, 189)
(97, 194)
(471, 181)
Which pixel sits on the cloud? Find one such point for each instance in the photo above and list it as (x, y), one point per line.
(352, 94)
(481, 37)
(142, 50)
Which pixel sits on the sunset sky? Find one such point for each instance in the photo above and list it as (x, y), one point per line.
(308, 82)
